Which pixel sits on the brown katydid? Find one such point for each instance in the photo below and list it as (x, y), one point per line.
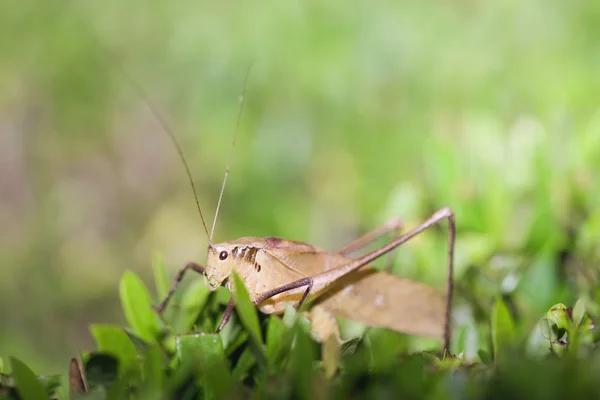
(277, 271)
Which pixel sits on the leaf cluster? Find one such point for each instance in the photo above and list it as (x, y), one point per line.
(257, 356)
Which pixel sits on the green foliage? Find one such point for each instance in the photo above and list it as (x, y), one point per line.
(247, 311)
(183, 365)
(204, 353)
(137, 305)
(27, 384)
(503, 328)
(568, 330)
(161, 278)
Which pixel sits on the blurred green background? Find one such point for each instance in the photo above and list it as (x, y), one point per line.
(354, 113)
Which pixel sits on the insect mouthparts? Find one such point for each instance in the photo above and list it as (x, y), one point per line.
(212, 282)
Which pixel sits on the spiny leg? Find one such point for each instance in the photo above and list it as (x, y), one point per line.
(191, 265)
(392, 225)
(226, 314)
(325, 279)
(438, 216)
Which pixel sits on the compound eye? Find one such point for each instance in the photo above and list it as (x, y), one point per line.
(223, 255)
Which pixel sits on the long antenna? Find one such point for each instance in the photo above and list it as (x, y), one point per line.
(154, 110)
(237, 126)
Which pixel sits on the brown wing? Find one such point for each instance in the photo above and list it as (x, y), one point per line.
(302, 258)
(377, 298)
(373, 297)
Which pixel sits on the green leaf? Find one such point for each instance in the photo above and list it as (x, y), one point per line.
(114, 340)
(230, 333)
(26, 382)
(546, 330)
(161, 278)
(279, 342)
(275, 331)
(121, 389)
(97, 393)
(137, 305)
(52, 383)
(154, 375)
(471, 249)
(222, 295)
(503, 328)
(462, 339)
(537, 285)
(240, 338)
(558, 320)
(578, 312)
(484, 356)
(386, 346)
(349, 346)
(246, 310)
(301, 363)
(192, 304)
(245, 362)
(101, 370)
(205, 353)
(140, 344)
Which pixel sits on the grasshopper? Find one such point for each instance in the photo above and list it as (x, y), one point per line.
(276, 271)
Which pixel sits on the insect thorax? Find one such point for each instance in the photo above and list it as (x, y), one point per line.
(245, 256)
(247, 265)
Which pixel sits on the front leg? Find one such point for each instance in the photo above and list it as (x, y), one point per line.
(226, 314)
(191, 265)
(308, 282)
